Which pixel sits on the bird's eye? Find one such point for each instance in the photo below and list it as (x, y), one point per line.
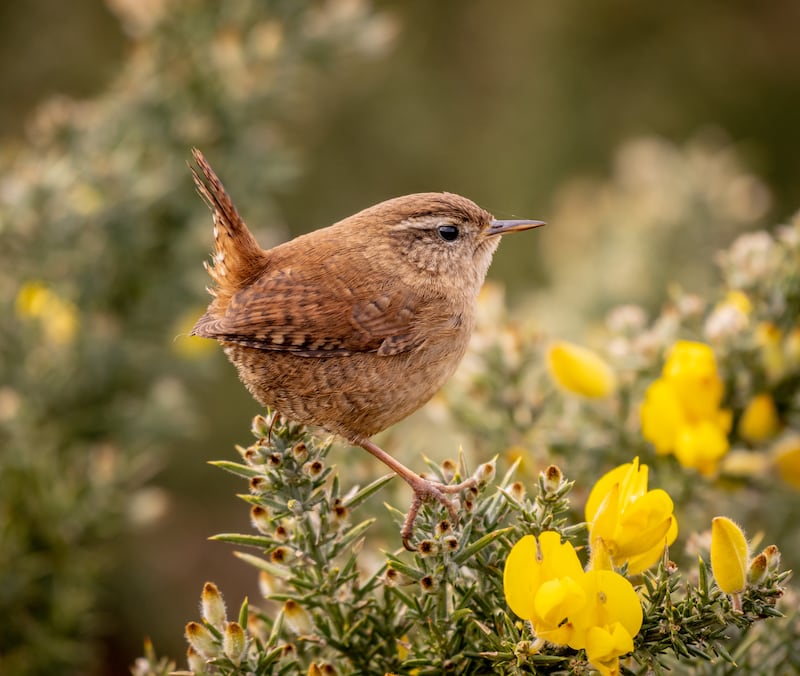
(449, 233)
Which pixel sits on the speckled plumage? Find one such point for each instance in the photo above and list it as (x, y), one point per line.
(354, 326)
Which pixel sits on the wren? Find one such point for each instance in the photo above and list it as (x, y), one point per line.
(355, 326)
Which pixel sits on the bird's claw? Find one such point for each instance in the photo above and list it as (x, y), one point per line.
(426, 491)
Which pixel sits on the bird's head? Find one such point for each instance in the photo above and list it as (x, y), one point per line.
(442, 235)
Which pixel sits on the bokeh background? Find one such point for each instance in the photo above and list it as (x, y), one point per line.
(647, 136)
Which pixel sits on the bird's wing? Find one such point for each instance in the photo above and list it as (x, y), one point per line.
(317, 309)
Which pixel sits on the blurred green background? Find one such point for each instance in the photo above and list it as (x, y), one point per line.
(310, 111)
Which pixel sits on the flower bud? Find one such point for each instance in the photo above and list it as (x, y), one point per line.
(260, 518)
(427, 548)
(394, 578)
(300, 453)
(486, 472)
(757, 569)
(202, 640)
(313, 469)
(428, 584)
(580, 371)
(195, 661)
(443, 527)
(250, 455)
(450, 543)
(517, 491)
(525, 648)
(213, 606)
(552, 479)
(234, 642)
(259, 484)
(260, 426)
(448, 468)
(729, 556)
(267, 584)
(773, 555)
(297, 617)
(340, 512)
(280, 555)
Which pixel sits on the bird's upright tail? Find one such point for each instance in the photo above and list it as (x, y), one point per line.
(237, 257)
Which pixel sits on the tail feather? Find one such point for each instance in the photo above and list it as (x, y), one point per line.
(237, 258)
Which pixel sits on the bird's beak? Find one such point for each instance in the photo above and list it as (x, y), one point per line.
(502, 227)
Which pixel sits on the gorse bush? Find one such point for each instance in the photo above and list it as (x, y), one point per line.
(331, 604)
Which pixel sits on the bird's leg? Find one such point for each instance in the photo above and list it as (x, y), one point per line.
(424, 489)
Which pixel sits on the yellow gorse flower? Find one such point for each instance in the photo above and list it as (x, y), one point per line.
(598, 610)
(629, 522)
(681, 411)
(786, 458)
(760, 420)
(610, 619)
(57, 317)
(580, 371)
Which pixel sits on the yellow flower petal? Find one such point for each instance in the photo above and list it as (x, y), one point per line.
(661, 415)
(691, 369)
(558, 559)
(759, 421)
(580, 371)
(610, 599)
(540, 582)
(601, 558)
(631, 479)
(786, 457)
(632, 540)
(602, 487)
(729, 555)
(605, 524)
(700, 446)
(605, 646)
(641, 562)
(521, 577)
(609, 668)
(558, 599)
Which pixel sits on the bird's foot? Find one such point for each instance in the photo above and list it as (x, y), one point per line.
(425, 490)
(429, 491)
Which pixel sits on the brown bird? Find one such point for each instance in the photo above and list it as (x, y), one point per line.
(355, 326)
